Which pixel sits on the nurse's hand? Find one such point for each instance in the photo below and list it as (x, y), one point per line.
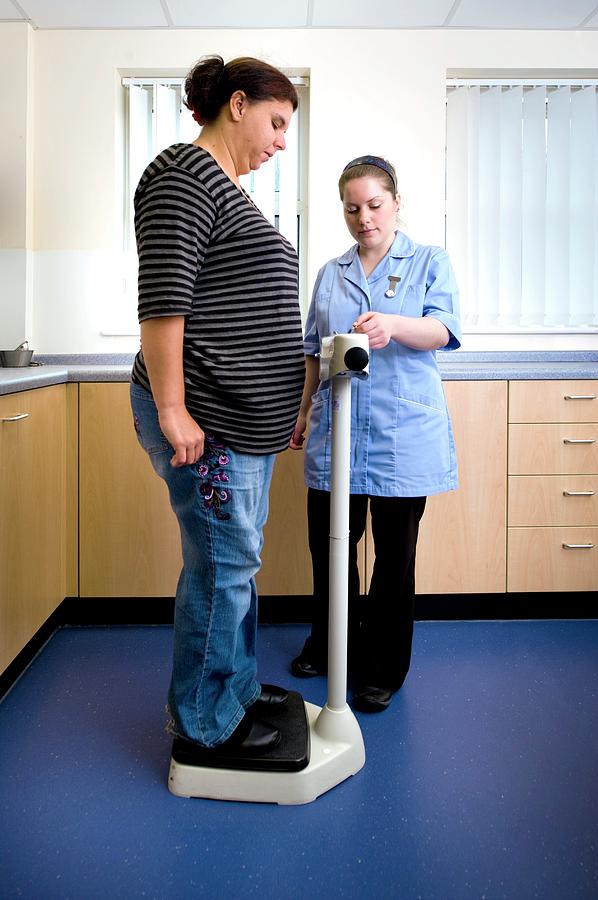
(378, 327)
(183, 434)
(298, 435)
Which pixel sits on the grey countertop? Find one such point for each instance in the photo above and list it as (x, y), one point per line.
(460, 365)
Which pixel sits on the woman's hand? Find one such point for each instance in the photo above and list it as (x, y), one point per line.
(298, 435)
(378, 327)
(162, 345)
(183, 434)
(417, 332)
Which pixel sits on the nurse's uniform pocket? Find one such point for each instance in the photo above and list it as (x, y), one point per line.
(413, 300)
(317, 449)
(423, 446)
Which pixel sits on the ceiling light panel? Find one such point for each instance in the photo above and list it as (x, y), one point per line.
(238, 14)
(380, 13)
(515, 14)
(96, 14)
(8, 12)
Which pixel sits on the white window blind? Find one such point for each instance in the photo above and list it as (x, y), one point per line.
(522, 203)
(157, 118)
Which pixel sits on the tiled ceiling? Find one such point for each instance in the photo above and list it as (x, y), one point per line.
(449, 14)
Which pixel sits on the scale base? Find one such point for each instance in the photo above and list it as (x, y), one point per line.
(337, 751)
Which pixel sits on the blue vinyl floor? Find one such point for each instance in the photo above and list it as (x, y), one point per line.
(481, 780)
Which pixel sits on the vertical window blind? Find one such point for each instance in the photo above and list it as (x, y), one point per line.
(522, 203)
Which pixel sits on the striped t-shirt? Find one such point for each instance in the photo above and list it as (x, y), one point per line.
(207, 253)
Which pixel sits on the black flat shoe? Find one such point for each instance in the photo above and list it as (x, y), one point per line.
(250, 738)
(259, 739)
(271, 695)
(303, 667)
(372, 699)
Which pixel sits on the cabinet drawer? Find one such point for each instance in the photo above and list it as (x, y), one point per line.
(537, 560)
(553, 401)
(547, 449)
(553, 500)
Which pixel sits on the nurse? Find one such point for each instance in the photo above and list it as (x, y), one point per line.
(403, 296)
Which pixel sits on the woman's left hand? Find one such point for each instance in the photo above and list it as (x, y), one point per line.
(377, 326)
(298, 435)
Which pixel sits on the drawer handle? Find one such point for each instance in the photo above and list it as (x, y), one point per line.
(579, 440)
(578, 546)
(15, 418)
(578, 493)
(580, 396)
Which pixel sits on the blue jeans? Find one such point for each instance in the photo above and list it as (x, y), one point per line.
(221, 503)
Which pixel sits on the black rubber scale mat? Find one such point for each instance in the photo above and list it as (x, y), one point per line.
(291, 754)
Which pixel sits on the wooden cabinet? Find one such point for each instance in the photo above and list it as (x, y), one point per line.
(35, 557)
(553, 486)
(129, 536)
(462, 542)
(129, 543)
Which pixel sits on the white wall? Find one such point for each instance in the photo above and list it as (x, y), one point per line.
(371, 92)
(16, 118)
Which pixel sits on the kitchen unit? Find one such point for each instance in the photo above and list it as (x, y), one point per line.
(553, 486)
(33, 524)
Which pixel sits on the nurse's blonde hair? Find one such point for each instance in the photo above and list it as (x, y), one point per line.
(367, 170)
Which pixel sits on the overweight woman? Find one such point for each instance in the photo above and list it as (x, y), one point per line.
(216, 387)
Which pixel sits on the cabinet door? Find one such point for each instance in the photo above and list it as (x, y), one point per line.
(33, 519)
(545, 500)
(553, 449)
(553, 559)
(129, 543)
(553, 401)
(462, 543)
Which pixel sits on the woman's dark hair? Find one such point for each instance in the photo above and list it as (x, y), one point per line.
(210, 85)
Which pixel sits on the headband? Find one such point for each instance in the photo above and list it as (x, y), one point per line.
(374, 161)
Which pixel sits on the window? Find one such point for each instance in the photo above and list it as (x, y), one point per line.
(157, 117)
(522, 203)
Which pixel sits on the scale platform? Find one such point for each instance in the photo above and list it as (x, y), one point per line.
(313, 756)
(291, 754)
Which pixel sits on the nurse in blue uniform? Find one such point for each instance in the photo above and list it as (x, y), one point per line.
(403, 296)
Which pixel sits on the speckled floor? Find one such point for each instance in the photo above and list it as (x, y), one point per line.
(480, 781)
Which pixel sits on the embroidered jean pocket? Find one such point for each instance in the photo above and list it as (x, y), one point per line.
(212, 471)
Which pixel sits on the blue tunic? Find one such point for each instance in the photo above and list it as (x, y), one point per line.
(401, 436)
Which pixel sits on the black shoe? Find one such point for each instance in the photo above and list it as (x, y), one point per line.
(250, 738)
(271, 696)
(259, 738)
(372, 699)
(304, 667)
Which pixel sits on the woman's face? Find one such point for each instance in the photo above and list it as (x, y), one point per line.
(370, 212)
(262, 128)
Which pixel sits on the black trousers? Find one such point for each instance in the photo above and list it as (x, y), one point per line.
(380, 627)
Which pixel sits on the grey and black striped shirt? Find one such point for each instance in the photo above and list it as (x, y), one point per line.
(207, 253)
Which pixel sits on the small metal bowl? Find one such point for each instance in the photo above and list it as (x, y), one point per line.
(14, 358)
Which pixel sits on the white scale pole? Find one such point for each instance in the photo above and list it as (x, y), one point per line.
(339, 542)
